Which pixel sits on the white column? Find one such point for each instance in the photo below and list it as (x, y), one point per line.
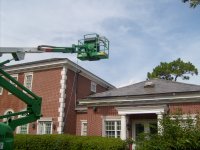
(123, 127)
(159, 119)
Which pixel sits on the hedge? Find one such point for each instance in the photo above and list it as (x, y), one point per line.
(66, 142)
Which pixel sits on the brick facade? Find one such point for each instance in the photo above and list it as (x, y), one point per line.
(78, 87)
(94, 117)
(136, 107)
(59, 86)
(186, 108)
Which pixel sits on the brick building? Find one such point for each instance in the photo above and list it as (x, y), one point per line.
(125, 112)
(59, 82)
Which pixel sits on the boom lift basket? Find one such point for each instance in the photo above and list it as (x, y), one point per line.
(93, 47)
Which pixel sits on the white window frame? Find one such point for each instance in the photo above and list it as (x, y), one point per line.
(16, 78)
(18, 131)
(111, 118)
(83, 129)
(25, 80)
(48, 119)
(93, 87)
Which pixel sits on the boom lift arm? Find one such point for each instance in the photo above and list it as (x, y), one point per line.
(92, 48)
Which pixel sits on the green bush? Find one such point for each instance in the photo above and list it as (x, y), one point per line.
(177, 133)
(66, 142)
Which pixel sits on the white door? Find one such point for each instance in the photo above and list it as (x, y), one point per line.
(143, 126)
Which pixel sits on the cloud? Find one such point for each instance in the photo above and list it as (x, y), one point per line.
(141, 33)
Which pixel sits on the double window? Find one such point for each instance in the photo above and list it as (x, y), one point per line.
(44, 127)
(112, 128)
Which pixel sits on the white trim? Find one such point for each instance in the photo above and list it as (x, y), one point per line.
(1, 90)
(123, 127)
(106, 101)
(142, 110)
(45, 119)
(62, 100)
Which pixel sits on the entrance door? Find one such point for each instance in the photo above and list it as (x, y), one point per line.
(144, 126)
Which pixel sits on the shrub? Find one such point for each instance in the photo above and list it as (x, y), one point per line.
(177, 134)
(66, 142)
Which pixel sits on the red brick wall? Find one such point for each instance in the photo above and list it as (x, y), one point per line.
(94, 119)
(46, 83)
(81, 90)
(191, 108)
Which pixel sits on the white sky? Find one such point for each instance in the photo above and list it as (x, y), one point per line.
(142, 33)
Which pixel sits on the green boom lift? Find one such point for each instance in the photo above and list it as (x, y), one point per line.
(92, 47)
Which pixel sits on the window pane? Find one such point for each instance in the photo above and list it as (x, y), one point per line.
(48, 128)
(24, 129)
(139, 128)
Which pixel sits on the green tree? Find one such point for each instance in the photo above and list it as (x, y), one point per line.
(193, 3)
(173, 70)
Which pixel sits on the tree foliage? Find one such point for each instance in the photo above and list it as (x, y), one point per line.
(193, 3)
(173, 70)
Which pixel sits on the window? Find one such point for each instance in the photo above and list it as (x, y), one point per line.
(84, 128)
(113, 128)
(16, 78)
(185, 120)
(93, 87)
(28, 80)
(9, 111)
(44, 127)
(23, 129)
